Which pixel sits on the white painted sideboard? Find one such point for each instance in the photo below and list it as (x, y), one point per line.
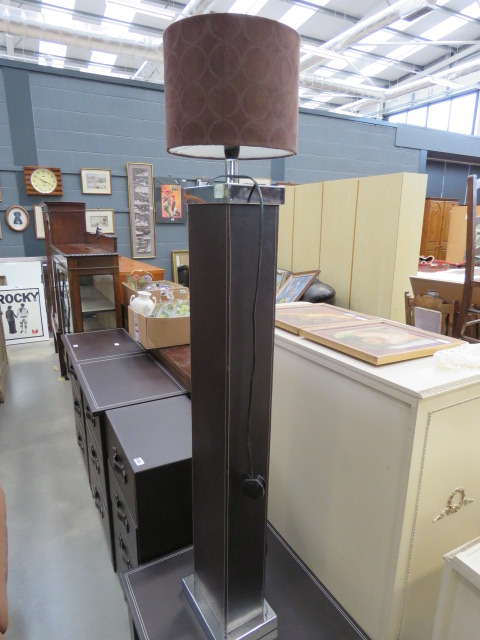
(363, 461)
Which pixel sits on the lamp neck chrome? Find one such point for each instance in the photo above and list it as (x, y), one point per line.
(231, 170)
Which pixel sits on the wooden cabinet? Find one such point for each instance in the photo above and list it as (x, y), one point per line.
(83, 274)
(362, 233)
(364, 462)
(436, 225)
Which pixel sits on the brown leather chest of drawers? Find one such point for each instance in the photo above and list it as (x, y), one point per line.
(108, 369)
(149, 462)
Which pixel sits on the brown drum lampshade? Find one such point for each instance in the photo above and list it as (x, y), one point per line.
(231, 80)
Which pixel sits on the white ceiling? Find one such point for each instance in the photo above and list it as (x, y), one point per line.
(356, 57)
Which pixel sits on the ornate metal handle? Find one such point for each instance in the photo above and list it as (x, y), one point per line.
(121, 515)
(98, 501)
(94, 458)
(119, 466)
(77, 409)
(124, 551)
(80, 443)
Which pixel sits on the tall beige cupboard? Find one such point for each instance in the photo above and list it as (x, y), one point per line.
(362, 233)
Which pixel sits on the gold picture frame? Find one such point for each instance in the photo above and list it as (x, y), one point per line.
(141, 202)
(180, 258)
(96, 181)
(380, 341)
(293, 319)
(295, 286)
(104, 218)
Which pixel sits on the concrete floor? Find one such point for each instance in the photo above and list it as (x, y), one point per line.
(61, 585)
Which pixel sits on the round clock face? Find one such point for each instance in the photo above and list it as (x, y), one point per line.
(43, 180)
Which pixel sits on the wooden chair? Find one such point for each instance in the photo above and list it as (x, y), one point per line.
(469, 316)
(447, 309)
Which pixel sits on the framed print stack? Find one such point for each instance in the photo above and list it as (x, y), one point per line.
(295, 286)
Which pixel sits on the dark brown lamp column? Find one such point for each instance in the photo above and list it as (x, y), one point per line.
(231, 90)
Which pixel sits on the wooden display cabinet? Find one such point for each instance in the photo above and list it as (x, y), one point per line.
(83, 274)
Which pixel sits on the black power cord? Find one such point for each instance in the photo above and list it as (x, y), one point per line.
(253, 487)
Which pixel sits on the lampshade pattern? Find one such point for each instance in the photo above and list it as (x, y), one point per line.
(231, 80)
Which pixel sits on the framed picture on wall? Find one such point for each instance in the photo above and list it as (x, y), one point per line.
(97, 181)
(17, 218)
(141, 203)
(38, 218)
(103, 218)
(170, 207)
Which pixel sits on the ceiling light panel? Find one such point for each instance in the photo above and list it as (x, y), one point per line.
(472, 11)
(444, 28)
(249, 7)
(374, 68)
(62, 4)
(377, 38)
(296, 16)
(405, 51)
(99, 57)
(53, 49)
(116, 12)
(144, 9)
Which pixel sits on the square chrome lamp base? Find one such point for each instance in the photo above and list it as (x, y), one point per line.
(260, 628)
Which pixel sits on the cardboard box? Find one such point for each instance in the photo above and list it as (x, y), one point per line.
(157, 333)
(179, 291)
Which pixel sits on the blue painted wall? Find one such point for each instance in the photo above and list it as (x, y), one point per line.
(72, 120)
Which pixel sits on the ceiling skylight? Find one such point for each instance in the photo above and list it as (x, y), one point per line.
(296, 16)
(99, 57)
(144, 9)
(374, 68)
(250, 7)
(377, 38)
(53, 49)
(62, 4)
(444, 28)
(404, 51)
(473, 10)
(337, 64)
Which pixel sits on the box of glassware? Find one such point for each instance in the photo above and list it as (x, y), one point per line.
(159, 289)
(167, 324)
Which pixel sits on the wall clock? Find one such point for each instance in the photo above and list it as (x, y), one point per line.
(43, 181)
(17, 218)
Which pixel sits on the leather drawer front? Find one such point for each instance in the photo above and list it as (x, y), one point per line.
(102, 508)
(124, 529)
(95, 463)
(122, 471)
(93, 422)
(81, 440)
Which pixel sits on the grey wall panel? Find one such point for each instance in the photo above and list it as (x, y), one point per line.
(440, 141)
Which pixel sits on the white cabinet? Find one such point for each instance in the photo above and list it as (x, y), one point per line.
(363, 461)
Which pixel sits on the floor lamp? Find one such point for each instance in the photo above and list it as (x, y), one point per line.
(231, 91)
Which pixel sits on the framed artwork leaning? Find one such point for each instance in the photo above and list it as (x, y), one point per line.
(295, 286)
(39, 226)
(282, 275)
(380, 341)
(142, 209)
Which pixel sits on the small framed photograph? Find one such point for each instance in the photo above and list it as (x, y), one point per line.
(103, 218)
(17, 218)
(295, 286)
(282, 276)
(97, 181)
(38, 218)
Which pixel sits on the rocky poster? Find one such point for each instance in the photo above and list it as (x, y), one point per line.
(21, 314)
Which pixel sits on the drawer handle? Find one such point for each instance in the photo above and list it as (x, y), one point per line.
(76, 408)
(90, 417)
(80, 443)
(98, 501)
(124, 551)
(94, 458)
(121, 515)
(119, 466)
